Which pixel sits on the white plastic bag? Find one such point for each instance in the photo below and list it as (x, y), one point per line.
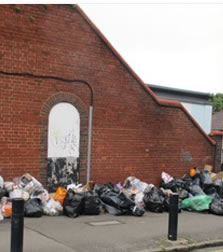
(25, 195)
(1, 215)
(135, 185)
(16, 193)
(30, 187)
(53, 208)
(139, 199)
(5, 207)
(30, 183)
(76, 188)
(166, 177)
(9, 186)
(1, 182)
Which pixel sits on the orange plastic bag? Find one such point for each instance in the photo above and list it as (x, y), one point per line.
(60, 194)
(192, 172)
(7, 210)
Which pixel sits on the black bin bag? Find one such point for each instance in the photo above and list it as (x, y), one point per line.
(33, 208)
(218, 184)
(3, 192)
(129, 207)
(73, 204)
(216, 206)
(211, 190)
(183, 194)
(180, 183)
(91, 203)
(111, 198)
(116, 202)
(137, 211)
(170, 185)
(111, 210)
(195, 190)
(154, 201)
(125, 202)
(205, 180)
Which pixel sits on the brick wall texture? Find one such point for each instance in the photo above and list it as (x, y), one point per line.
(218, 164)
(132, 133)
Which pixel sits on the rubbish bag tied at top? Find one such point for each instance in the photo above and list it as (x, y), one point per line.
(60, 194)
(73, 204)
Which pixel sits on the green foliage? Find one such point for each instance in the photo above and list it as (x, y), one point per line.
(217, 101)
(17, 9)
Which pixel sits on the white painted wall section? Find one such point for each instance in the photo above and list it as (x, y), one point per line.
(63, 131)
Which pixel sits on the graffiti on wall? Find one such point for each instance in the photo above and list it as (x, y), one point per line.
(62, 172)
(64, 144)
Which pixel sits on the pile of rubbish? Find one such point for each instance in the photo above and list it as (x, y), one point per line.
(199, 190)
(90, 199)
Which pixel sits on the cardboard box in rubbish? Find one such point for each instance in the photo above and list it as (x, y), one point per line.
(213, 175)
(208, 168)
(219, 175)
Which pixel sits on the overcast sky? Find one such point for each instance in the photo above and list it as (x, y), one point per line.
(174, 45)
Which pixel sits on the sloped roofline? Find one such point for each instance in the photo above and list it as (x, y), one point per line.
(216, 133)
(161, 102)
(180, 91)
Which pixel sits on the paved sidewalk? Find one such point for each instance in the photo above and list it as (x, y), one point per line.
(119, 234)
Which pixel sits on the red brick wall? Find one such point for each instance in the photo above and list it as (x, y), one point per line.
(132, 134)
(218, 152)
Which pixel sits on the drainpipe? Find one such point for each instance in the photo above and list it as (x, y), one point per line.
(221, 152)
(90, 119)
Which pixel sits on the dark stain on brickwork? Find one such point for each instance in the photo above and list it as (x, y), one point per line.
(186, 156)
(62, 172)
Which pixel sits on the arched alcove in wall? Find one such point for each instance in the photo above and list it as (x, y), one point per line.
(63, 145)
(64, 125)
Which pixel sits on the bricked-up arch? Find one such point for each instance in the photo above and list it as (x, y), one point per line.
(63, 131)
(44, 117)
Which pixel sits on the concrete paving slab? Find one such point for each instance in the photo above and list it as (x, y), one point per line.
(33, 241)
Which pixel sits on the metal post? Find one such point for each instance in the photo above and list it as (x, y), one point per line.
(89, 143)
(17, 225)
(173, 217)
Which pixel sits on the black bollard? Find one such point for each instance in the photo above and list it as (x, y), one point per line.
(173, 217)
(17, 225)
